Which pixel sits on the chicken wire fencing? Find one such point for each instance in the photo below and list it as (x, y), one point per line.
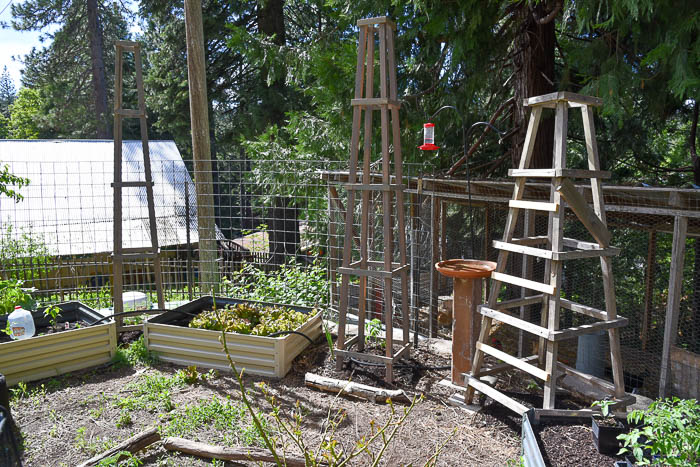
(279, 230)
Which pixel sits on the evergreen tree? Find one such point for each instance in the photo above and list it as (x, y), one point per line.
(70, 72)
(7, 92)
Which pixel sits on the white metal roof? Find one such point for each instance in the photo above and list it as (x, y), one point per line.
(68, 204)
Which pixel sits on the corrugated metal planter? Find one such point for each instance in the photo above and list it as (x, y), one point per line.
(62, 352)
(168, 335)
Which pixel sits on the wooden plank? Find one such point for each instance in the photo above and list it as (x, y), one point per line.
(583, 309)
(570, 333)
(501, 367)
(562, 96)
(535, 240)
(349, 212)
(555, 232)
(376, 20)
(516, 302)
(514, 321)
(514, 361)
(583, 211)
(550, 173)
(375, 102)
(537, 205)
(592, 253)
(519, 281)
(526, 250)
(496, 395)
(675, 285)
(600, 383)
(605, 261)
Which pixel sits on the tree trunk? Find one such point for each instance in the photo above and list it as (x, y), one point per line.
(99, 86)
(534, 76)
(271, 23)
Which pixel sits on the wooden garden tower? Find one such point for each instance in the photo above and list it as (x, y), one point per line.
(554, 248)
(375, 30)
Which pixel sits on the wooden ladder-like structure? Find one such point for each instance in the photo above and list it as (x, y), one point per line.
(554, 249)
(122, 254)
(390, 187)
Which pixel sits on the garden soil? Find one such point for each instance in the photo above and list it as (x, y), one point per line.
(65, 420)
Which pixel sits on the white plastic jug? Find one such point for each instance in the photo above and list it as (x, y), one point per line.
(21, 323)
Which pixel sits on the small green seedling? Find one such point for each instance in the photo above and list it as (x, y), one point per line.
(604, 407)
(372, 329)
(52, 312)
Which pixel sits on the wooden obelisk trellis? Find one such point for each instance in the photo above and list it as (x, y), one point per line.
(554, 249)
(392, 196)
(122, 254)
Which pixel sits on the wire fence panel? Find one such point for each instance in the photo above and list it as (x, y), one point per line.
(279, 234)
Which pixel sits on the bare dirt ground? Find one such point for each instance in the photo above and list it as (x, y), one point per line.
(66, 420)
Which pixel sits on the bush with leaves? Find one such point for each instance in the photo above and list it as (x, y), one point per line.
(669, 433)
(12, 294)
(291, 284)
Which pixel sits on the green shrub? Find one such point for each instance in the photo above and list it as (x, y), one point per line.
(12, 294)
(669, 435)
(291, 284)
(245, 318)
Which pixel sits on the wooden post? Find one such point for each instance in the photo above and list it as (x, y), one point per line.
(675, 283)
(435, 257)
(201, 150)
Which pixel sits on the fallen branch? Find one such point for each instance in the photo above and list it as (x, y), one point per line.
(363, 391)
(132, 445)
(242, 453)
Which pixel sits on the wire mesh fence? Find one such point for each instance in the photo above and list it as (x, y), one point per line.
(279, 233)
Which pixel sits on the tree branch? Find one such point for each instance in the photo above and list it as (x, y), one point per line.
(464, 158)
(550, 16)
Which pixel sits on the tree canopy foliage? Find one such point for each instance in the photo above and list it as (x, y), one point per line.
(286, 68)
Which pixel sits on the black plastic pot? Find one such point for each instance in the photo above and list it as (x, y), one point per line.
(605, 437)
(70, 311)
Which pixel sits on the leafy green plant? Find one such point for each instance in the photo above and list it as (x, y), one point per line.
(669, 433)
(604, 407)
(124, 419)
(12, 294)
(245, 318)
(52, 312)
(291, 284)
(133, 354)
(226, 415)
(122, 458)
(373, 328)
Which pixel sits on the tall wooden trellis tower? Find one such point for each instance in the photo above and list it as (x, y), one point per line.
(554, 248)
(122, 254)
(392, 196)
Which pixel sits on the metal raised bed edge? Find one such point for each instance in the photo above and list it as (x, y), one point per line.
(62, 352)
(532, 456)
(168, 335)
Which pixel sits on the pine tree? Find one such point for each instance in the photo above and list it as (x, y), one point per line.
(70, 71)
(7, 92)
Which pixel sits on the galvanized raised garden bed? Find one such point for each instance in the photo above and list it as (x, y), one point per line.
(168, 335)
(62, 352)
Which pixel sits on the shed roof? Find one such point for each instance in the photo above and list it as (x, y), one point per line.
(68, 205)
